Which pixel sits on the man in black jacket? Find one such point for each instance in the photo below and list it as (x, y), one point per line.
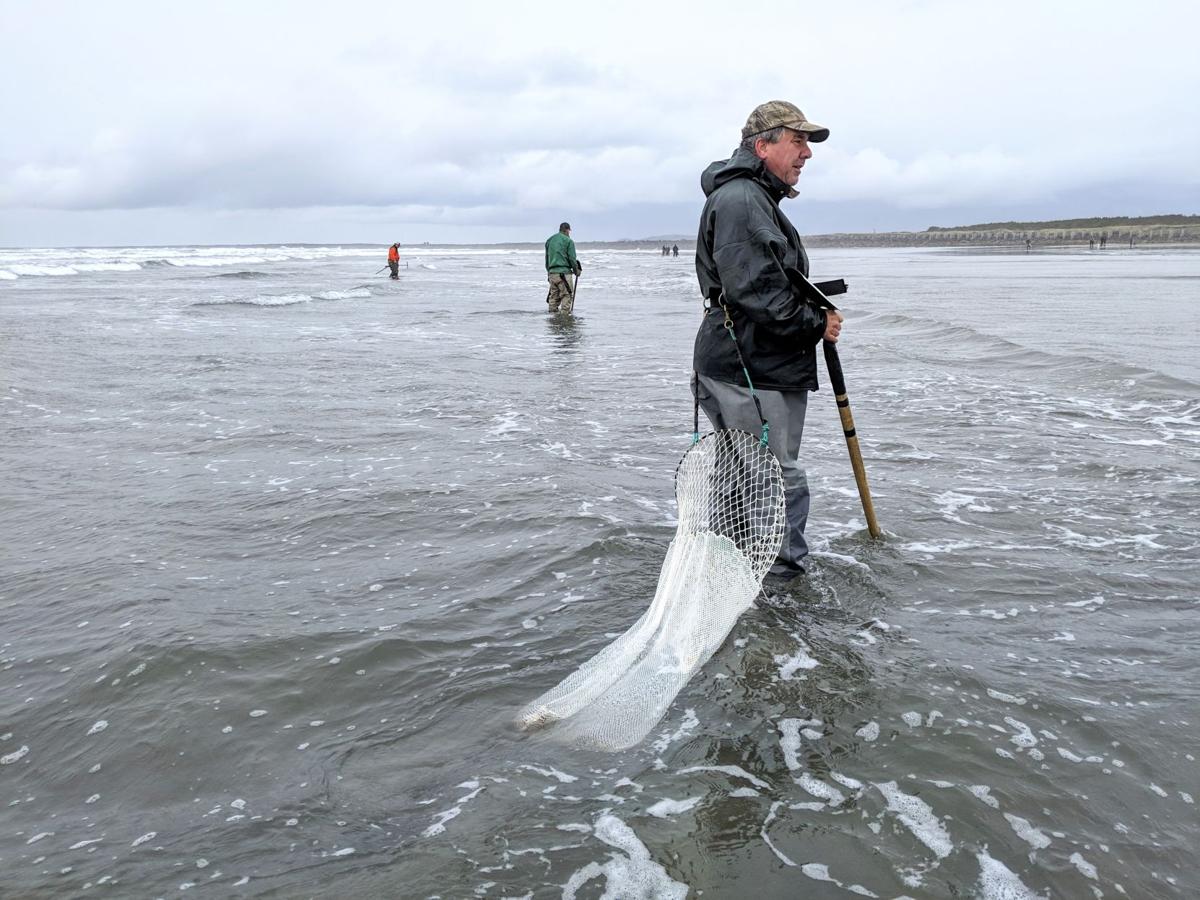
(744, 250)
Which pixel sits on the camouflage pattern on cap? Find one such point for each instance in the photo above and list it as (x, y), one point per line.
(776, 113)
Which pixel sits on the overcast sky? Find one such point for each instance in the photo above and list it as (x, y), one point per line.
(137, 123)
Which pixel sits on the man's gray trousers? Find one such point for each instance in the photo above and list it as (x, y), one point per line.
(731, 406)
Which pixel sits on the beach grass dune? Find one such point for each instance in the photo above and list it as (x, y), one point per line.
(1168, 229)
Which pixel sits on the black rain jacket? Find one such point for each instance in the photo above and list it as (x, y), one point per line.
(745, 247)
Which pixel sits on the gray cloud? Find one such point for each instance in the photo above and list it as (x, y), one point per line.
(470, 120)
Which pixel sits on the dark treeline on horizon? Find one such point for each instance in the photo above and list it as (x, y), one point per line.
(1097, 222)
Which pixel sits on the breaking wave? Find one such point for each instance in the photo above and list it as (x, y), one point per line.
(33, 270)
(285, 299)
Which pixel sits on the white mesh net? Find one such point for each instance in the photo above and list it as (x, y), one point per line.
(729, 490)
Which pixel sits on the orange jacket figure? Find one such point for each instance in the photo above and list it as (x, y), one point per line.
(393, 254)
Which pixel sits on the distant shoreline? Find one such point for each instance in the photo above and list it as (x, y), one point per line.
(1175, 231)
(1165, 229)
(1158, 235)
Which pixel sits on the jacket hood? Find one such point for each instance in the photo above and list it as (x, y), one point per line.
(743, 164)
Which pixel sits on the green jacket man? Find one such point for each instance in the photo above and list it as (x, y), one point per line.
(562, 267)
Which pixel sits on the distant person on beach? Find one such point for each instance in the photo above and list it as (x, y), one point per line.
(394, 261)
(1091, 243)
(1131, 242)
(562, 267)
(1028, 245)
(675, 250)
(1103, 241)
(745, 248)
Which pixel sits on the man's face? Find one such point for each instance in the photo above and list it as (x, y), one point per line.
(786, 157)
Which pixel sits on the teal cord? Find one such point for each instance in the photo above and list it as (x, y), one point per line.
(766, 426)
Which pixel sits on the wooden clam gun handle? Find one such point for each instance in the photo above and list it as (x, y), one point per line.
(819, 294)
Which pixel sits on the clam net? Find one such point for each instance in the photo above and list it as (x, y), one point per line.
(729, 490)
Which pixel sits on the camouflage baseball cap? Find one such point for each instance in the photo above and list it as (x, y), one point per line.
(775, 113)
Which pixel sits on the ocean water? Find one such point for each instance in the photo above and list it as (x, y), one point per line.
(286, 545)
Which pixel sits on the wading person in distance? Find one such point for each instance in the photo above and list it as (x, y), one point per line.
(562, 267)
(394, 261)
(744, 249)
